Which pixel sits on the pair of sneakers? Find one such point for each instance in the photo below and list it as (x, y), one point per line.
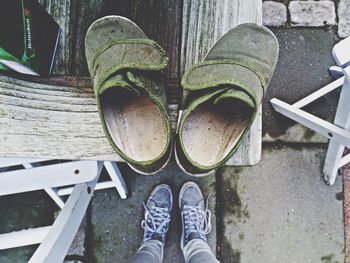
(195, 214)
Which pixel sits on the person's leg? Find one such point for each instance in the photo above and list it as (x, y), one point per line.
(196, 224)
(198, 251)
(150, 252)
(156, 224)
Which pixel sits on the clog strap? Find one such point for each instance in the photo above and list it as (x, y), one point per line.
(213, 74)
(126, 55)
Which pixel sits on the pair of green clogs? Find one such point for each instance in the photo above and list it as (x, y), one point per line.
(223, 94)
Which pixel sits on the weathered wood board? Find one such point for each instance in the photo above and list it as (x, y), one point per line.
(59, 119)
(61, 13)
(52, 121)
(160, 20)
(204, 22)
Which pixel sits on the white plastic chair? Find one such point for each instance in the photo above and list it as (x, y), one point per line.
(56, 180)
(337, 133)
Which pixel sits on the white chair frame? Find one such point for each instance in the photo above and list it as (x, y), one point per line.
(337, 133)
(56, 180)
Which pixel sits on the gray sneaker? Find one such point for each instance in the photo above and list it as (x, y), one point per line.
(157, 213)
(195, 214)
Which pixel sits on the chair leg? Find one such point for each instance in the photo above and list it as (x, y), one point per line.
(342, 119)
(60, 236)
(117, 178)
(338, 133)
(331, 165)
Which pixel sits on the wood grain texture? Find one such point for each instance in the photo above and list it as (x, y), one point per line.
(53, 121)
(84, 14)
(160, 20)
(60, 10)
(204, 22)
(60, 115)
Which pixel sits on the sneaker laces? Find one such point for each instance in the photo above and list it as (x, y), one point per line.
(156, 221)
(197, 220)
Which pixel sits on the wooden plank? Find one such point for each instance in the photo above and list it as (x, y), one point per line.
(61, 119)
(60, 10)
(84, 14)
(53, 121)
(160, 20)
(204, 22)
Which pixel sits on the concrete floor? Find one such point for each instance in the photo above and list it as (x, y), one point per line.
(302, 68)
(279, 211)
(23, 211)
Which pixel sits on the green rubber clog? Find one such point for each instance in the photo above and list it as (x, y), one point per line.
(125, 67)
(224, 93)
